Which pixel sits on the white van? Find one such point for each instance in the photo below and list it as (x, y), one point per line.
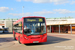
(1, 30)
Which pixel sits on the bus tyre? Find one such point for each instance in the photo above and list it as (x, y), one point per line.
(14, 37)
(19, 40)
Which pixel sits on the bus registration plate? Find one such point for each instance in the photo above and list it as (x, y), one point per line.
(35, 41)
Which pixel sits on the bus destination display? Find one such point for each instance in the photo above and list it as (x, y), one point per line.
(34, 20)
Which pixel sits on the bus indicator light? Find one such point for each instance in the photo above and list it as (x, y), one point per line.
(40, 20)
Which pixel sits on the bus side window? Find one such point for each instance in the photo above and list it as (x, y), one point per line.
(20, 28)
(15, 27)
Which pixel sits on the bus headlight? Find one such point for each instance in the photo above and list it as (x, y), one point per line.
(26, 38)
(44, 35)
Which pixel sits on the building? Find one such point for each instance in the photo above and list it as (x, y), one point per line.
(7, 23)
(61, 26)
(53, 25)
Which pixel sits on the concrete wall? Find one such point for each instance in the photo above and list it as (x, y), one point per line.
(9, 25)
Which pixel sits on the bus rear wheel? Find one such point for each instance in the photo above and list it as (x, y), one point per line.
(14, 37)
(19, 40)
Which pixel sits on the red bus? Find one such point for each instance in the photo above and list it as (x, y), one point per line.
(31, 29)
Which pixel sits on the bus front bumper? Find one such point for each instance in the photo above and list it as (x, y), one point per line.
(28, 41)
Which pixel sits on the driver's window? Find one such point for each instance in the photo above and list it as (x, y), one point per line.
(27, 28)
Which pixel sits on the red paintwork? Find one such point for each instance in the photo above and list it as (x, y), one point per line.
(24, 39)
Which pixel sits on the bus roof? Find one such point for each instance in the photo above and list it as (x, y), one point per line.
(33, 17)
(27, 17)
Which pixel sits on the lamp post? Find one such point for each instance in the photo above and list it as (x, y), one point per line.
(22, 10)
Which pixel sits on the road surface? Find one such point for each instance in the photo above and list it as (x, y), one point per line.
(54, 42)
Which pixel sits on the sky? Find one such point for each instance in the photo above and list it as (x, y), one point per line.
(46, 8)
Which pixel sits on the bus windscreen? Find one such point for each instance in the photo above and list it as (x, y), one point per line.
(34, 26)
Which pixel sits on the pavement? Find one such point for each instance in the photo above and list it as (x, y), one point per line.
(54, 42)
